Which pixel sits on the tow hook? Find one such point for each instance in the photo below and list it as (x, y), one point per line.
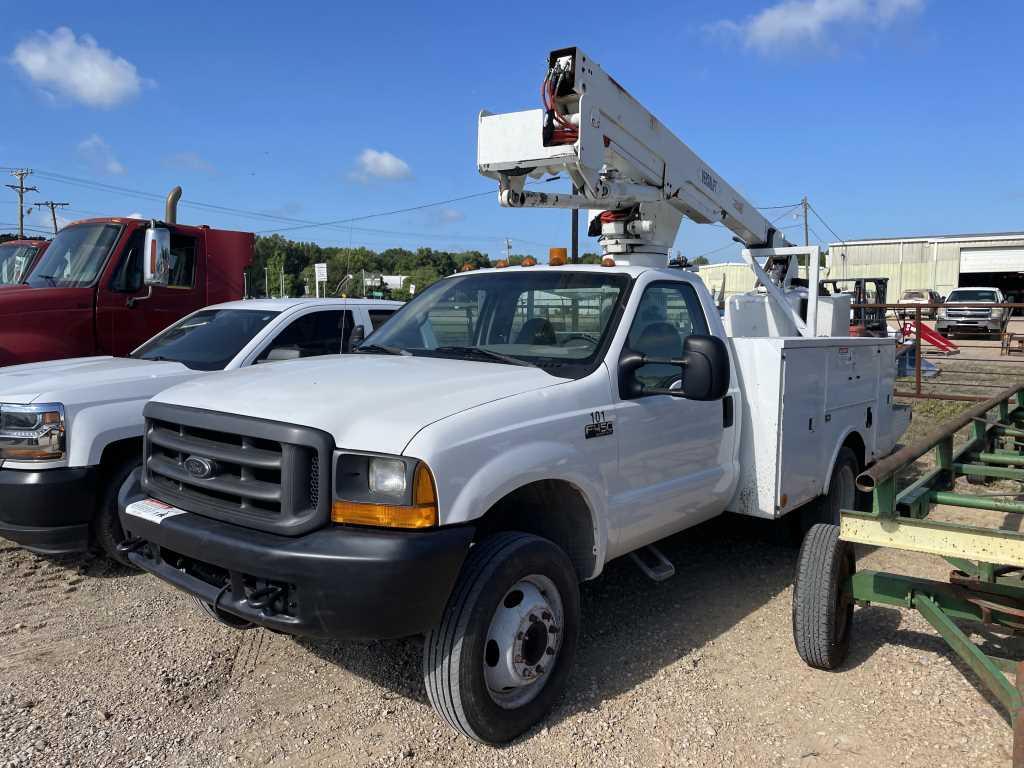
(130, 545)
(262, 598)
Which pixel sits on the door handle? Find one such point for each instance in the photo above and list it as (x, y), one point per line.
(727, 416)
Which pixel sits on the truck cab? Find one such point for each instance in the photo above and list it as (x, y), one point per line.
(17, 258)
(85, 294)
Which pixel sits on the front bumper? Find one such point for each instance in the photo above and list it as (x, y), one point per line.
(48, 510)
(332, 582)
(969, 325)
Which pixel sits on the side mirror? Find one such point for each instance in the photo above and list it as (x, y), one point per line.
(355, 338)
(156, 262)
(704, 367)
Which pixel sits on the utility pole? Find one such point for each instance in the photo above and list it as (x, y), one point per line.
(21, 189)
(508, 250)
(266, 281)
(807, 239)
(282, 281)
(53, 211)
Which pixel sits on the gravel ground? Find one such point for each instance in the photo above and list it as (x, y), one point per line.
(103, 666)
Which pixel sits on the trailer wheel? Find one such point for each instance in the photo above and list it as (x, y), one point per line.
(822, 603)
(501, 655)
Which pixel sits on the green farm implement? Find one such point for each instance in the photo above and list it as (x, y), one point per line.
(986, 585)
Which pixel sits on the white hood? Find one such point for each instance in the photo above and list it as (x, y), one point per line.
(87, 380)
(367, 402)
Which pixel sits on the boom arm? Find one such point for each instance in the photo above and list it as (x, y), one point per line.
(620, 157)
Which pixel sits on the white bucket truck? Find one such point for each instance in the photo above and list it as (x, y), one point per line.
(525, 426)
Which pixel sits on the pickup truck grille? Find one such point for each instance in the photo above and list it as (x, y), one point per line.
(968, 312)
(249, 471)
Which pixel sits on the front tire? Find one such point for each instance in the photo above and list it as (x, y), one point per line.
(500, 657)
(106, 525)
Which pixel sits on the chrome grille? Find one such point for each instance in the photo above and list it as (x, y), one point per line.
(244, 470)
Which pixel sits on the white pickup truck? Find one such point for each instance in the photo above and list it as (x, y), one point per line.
(71, 430)
(501, 439)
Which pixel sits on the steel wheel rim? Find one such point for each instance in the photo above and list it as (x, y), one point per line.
(523, 641)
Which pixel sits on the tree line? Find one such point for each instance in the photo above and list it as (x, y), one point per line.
(282, 263)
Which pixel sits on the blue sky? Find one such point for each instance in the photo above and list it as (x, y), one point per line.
(893, 116)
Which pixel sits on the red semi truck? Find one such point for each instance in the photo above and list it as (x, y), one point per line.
(87, 294)
(17, 257)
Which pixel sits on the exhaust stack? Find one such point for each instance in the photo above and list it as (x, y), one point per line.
(171, 209)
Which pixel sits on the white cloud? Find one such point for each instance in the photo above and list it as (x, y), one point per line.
(76, 67)
(793, 22)
(373, 164)
(450, 215)
(189, 161)
(135, 215)
(99, 157)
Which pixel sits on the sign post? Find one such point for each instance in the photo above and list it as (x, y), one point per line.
(320, 270)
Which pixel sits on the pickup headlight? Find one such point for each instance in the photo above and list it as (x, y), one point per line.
(996, 313)
(383, 491)
(32, 432)
(942, 313)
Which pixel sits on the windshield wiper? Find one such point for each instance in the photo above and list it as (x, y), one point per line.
(488, 354)
(372, 348)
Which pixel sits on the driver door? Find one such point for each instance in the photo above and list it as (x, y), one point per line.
(670, 448)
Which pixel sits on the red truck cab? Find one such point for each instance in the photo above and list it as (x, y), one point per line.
(85, 295)
(17, 257)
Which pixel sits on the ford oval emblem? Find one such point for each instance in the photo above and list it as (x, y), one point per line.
(200, 467)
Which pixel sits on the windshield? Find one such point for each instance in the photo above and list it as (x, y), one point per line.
(913, 295)
(971, 296)
(207, 340)
(14, 260)
(75, 257)
(545, 317)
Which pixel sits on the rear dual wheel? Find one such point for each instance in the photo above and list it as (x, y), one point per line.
(500, 657)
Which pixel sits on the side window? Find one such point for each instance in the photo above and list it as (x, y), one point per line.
(316, 333)
(128, 277)
(183, 261)
(378, 317)
(668, 313)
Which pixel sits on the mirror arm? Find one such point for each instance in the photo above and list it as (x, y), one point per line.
(133, 300)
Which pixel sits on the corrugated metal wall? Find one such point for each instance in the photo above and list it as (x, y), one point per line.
(737, 278)
(908, 264)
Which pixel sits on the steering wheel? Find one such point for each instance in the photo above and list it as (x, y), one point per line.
(589, 337)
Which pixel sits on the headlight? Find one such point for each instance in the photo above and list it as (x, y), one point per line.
(996, 313)
(942, 312)
(387, 476)
(32, 432)
(383, 491)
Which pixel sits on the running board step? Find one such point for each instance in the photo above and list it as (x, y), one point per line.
(653, 563)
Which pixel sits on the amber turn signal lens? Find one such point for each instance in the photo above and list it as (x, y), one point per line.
(421, 514)
(384, 515)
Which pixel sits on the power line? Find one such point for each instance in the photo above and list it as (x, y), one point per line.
(837, 237)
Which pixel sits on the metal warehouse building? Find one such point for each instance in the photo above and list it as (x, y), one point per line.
(939, 262)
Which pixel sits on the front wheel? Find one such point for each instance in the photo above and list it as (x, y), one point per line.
(106, 525)
(501, 655)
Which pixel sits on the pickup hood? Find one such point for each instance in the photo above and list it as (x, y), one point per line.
(88, 380)
(367, 402)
